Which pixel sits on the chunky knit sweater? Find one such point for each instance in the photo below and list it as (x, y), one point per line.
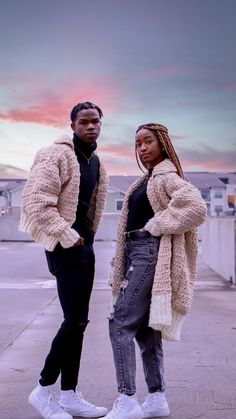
(50, 196)
(178, 211)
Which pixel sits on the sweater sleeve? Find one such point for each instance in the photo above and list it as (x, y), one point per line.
(186, 209)
(40, 198)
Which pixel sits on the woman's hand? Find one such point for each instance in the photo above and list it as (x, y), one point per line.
(124, 284)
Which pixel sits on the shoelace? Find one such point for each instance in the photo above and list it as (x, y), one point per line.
(53, 404)
(148, 402)
(117, 407)
(82, 401)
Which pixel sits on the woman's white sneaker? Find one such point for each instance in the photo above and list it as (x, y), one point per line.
(74, 404)
(155, 405)
(125, 407)
(45, 402)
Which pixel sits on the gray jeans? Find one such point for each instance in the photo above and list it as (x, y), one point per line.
(130, 320)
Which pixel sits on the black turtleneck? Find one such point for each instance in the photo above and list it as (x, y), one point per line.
(89, 175)
(140, 210)
(82, 147)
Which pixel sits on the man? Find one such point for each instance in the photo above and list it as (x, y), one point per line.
(62, 205)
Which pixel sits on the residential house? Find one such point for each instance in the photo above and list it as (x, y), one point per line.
(10, 196)
(217, 189)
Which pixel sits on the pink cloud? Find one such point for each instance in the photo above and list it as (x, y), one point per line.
(209, 159)
(114, 169)
(230, 87)
(51, 107)
(165, 71)
(178, 137)
(124, 152)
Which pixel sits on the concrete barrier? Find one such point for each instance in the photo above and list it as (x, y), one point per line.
(218, 235)
(9, 225)
(108, 227)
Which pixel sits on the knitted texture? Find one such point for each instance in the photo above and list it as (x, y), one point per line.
(50, 196)
(178, 211)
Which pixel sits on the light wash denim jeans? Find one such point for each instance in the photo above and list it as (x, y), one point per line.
(130, 320)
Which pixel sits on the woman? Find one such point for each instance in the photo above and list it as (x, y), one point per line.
(154, 270)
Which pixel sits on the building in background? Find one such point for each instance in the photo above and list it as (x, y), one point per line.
(217, 189)
(10, 196)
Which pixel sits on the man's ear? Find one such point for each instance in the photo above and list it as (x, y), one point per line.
(72, 126)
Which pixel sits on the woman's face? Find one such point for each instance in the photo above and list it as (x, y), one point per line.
(148, 148)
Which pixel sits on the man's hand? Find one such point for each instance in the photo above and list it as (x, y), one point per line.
(80, 242)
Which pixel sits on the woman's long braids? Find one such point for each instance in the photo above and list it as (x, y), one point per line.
(161, 132)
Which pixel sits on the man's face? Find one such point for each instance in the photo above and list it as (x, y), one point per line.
(87, 125)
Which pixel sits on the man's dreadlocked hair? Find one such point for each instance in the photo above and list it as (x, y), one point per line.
(83, 105)
(161, 132)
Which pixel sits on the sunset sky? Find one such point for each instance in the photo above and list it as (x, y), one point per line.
(166, 61)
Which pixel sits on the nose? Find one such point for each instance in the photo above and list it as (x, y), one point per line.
(143, 147)
(90, 126)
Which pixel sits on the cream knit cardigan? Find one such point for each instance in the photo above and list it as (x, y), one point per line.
(178, 209)
(50, 196)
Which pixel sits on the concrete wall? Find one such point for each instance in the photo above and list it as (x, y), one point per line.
(108, 227)
(9, 228)
(218, 236)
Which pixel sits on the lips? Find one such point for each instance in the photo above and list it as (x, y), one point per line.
(91, 134)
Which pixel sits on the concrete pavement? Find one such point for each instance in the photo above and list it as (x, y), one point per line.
(200, 370)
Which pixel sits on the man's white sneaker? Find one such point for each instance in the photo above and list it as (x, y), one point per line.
(45, 402)
(125, 407)
(74, 403)
(155, 405)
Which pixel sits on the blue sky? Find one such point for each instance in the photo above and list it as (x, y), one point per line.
(166, 61)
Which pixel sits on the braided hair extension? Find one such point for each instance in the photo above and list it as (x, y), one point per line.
(161, 133)
(83, 105)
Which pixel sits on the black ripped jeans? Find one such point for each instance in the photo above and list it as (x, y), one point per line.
(74, 271)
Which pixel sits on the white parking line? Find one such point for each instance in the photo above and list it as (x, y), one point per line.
(26, 284)
(30, 284)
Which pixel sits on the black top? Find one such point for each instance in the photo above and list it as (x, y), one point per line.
(89, 175)
(140, 210)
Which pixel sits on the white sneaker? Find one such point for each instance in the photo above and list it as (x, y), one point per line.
(45, 402)
(74, 403)
(125, 407)
(155, 405)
